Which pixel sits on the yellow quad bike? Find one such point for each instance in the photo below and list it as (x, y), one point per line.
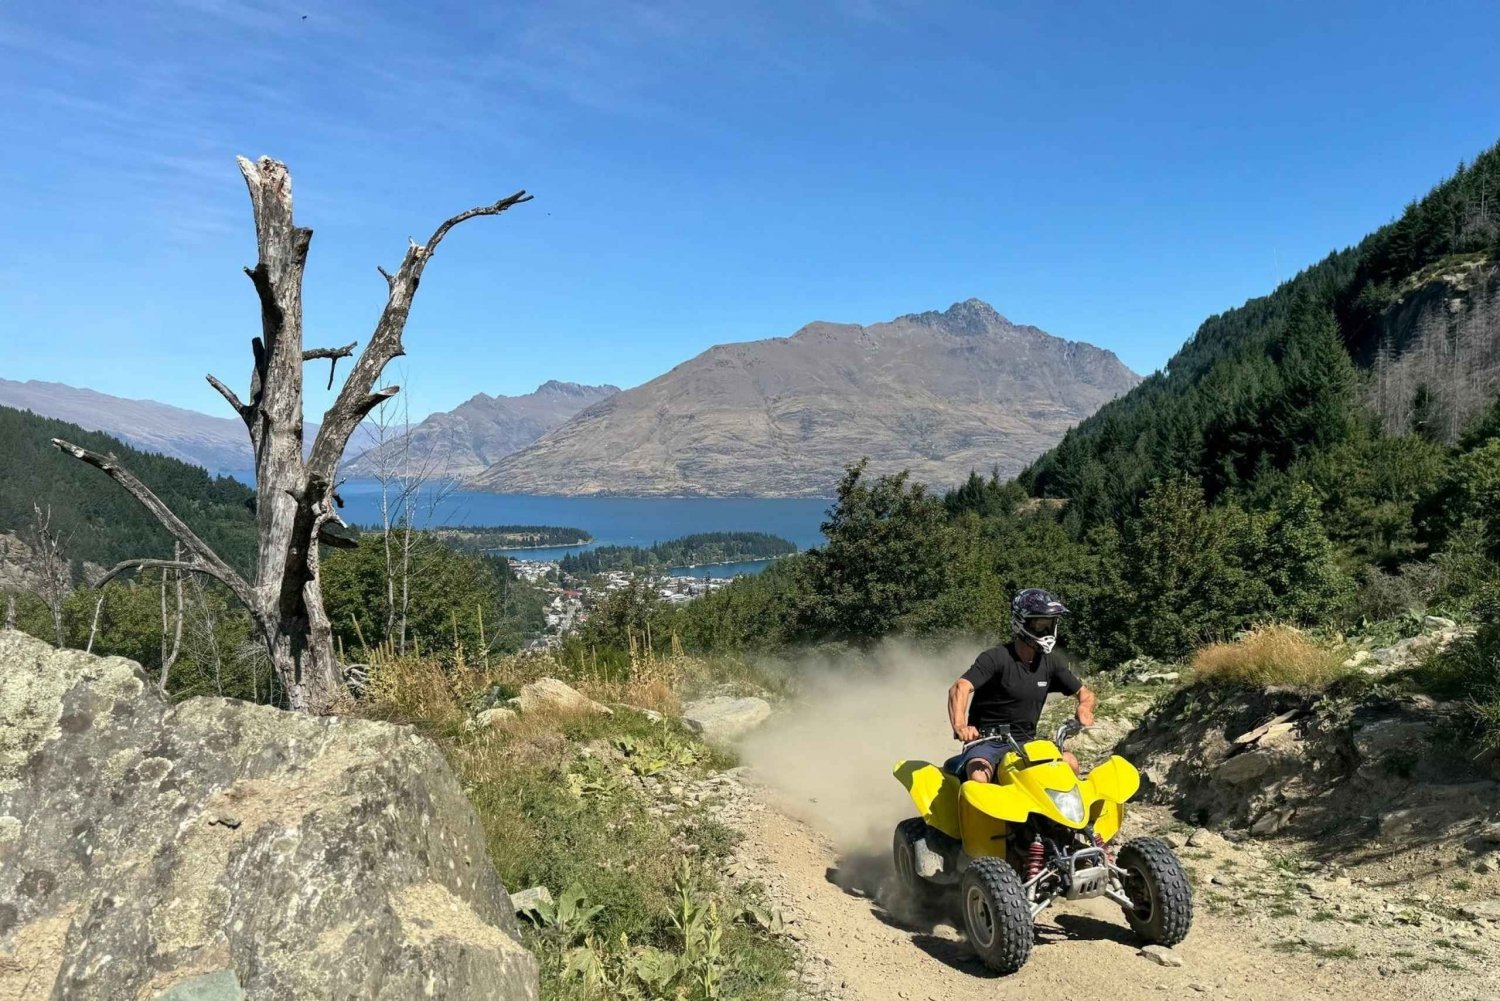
(1033, 836)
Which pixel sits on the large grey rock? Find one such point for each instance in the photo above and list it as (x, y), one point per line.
(1245, 767)
(1382, 737)
(723, 718)
(557, 696)
(143, 845)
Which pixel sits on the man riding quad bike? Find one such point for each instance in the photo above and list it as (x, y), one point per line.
(1009, 822)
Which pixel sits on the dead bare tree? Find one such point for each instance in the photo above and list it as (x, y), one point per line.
(50, 573)
(10, 573)
(170, 653)
(295, 497)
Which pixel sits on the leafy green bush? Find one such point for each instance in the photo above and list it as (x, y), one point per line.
(1469, 671)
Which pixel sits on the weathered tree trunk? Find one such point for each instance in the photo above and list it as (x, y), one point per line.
(169, 651)
(295, 499)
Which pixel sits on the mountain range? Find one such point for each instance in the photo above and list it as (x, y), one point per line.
(938, 393)
(480, 431)
(460, 442)
(218, 444)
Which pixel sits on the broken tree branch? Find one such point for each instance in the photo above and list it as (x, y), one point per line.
(186, 566)
(332, 354)
(245, 413)
(208, 561)
(355, 399)
(313, 354)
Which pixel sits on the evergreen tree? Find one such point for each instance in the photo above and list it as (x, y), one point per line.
(1298, 563)
(1177, 576)
(888, 545)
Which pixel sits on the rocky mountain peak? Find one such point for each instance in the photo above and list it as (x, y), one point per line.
(554, 387)
(972, 316)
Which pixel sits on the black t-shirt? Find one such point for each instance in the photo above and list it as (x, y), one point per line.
(1008, 693)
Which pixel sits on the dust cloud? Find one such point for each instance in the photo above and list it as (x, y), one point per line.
(827, 758)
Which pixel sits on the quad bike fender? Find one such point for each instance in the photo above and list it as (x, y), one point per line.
(1107, 818)
(1116, 780)
(934, 791)
(988, 809)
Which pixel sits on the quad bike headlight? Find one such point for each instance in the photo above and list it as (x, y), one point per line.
(1069, 803)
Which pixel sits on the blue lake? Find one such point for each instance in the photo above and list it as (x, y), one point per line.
(612, 521)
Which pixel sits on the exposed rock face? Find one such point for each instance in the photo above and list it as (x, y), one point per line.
(937, 393)
(1282, 762)
(481, 431)
(1444, 335)
(216, 846)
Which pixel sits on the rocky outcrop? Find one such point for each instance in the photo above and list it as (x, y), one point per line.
(938, 393)
(218, 849)
(1278, 761)
(1437, 635)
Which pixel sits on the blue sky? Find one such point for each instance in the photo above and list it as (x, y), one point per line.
(703, 172)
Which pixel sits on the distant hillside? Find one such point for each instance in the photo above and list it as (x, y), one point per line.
(1415, 305)
(218, 444)
(481, 431)
(940, 393)
(98, 521)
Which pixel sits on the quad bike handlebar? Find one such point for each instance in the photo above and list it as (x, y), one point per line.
(1002, 734)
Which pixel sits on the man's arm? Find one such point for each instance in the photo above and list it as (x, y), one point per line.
(958, 709)
(1086, 703)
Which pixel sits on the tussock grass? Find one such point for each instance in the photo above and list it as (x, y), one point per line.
(1269, 655)
(562, 807)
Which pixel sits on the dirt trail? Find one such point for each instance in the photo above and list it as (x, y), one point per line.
(860, 943)
(819, 805)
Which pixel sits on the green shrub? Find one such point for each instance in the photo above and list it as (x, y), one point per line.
(1469, 671)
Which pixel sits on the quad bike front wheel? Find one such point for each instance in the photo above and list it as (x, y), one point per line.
(1156, 884)
(997, 919)
(903, 854)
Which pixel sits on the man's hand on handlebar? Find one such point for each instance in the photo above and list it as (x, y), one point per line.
(966, 733)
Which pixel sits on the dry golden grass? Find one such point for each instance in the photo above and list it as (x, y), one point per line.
(422, 690)
(412, 689)
(1269, 655)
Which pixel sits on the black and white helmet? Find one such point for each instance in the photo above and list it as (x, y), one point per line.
(1035, 614)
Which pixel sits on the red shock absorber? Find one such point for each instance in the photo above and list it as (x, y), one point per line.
(1034, 860)
(1099, 844)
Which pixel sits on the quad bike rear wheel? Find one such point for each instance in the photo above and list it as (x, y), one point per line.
(996, 916)
(1156, 884)
(903, 853)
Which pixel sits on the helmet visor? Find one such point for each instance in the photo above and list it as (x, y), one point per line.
(1042, 625)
